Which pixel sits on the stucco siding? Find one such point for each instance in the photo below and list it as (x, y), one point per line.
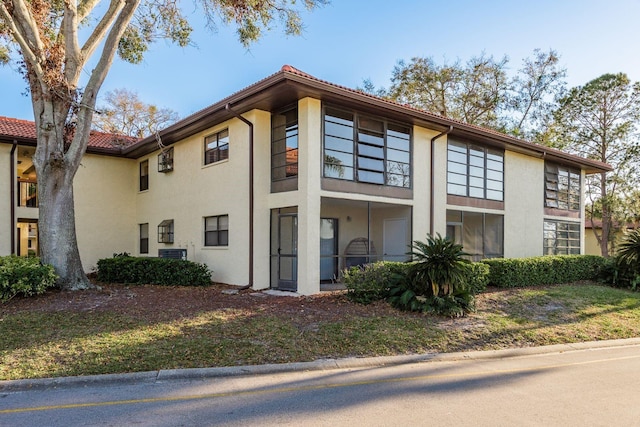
(523, 205)
(104, 189)
(193, 191)
(6, 181)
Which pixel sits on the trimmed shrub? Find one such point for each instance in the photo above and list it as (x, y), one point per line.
(476, 276)
(371, 282)
(25, 276)
(543, 270)
(155, 271)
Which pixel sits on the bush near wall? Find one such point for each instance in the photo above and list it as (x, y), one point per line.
(543, 270)
(477, 277)
(25, 276)
(372, 282)
(155, 271)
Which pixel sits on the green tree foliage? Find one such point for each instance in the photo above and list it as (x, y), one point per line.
(480, 92)
(125, 114)
(599, 121)
(534, 93)
(473, 92)
(57, 43)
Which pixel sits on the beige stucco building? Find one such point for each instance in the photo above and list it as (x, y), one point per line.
(289, 181)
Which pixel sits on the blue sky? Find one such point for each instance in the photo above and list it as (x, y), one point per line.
(348, 41)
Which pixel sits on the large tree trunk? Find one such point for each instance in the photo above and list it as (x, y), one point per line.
(57, 240)
(606, 217)
(56, 166)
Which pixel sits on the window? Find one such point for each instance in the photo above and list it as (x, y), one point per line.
(562, 187)
(284, 145)
(216, 147)
(216, 230)
(480, 234)
(144, 238)
(144, 175)
(165, 160)
(474, 171)
(366, 149)
(165, 231)
(561, 238)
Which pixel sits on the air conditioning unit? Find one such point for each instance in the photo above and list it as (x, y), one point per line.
(173, 253)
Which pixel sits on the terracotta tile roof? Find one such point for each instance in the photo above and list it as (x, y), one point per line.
(25, 129)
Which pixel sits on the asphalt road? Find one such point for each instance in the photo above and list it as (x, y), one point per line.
(590, 387)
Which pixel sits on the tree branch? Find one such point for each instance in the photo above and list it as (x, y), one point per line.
(103, 26)
(24, 33)
(99, 73)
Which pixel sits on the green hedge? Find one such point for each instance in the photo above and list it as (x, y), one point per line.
(372, 282)
(156, 271)
(477, 277)
(543, 270)
(25, 276)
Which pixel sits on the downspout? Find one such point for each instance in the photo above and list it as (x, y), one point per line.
(431, 196)
(12, 171)
(235, 113)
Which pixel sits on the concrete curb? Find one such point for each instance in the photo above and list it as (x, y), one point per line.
(318, 365)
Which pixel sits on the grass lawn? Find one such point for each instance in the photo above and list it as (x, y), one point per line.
(129, 329)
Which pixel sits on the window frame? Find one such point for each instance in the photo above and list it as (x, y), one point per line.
(143, 241)
(361, 148)
(473, 169)
(165, 160)
(166, 231)
(220, 151)
(143, 184)
(567, 247)
(568, 198)
(218, 231)
(291, 132)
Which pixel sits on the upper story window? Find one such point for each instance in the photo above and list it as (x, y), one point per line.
(165, 160)
(284, 145)
(475, 171)
(165, 231)
(144, 175)
(366, 149)
(562, 187)
(216, 230)
(216, 147)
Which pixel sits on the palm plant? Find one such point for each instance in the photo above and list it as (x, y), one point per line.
(629, 249)
(436, 281)
(440, 266)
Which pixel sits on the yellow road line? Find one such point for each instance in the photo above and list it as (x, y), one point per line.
(302, 388)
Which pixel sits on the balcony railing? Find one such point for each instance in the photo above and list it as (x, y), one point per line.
(28, 194)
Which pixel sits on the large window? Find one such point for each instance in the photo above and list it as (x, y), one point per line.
(284, 145)
(144, 175)
(562, 187)
(216, 147)
(480, 234)
(561, 238)
(474, 171)
(144, 238)
(366, 149)
(216, 230)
